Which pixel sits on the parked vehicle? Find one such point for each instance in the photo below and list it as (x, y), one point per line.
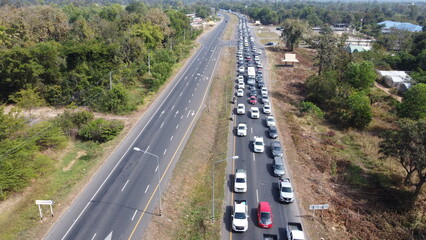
(278, 166)
(254, 112)
(240, 216)
(286, 190)
(241, 108)
(240, 180)
(277, 150)
(264, 215)
(272, 132)
(258, 144)
(242, 129)
(295, 231)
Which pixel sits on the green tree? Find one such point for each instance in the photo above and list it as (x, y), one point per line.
(293, 30)
(360, 75)
(28, 99)
(322, 88)
(10, 123)
(413, 105)
(328, 50)
(358, 112)
(408, 146)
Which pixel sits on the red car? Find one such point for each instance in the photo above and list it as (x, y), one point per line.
(253, 100)
(264, 215)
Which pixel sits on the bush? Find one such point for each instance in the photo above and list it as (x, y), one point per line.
(309, 107)
(117, 100)
(413, 105)
(358, 112)
(47, 135)
(100, 130)
(71, 122)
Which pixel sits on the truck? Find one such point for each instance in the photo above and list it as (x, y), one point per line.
(269, 237)
(251, 76)
(295, 231)
(240, 216)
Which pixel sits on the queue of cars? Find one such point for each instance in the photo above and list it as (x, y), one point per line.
(250, 78)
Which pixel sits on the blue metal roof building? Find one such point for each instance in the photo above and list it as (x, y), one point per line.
(400, 26)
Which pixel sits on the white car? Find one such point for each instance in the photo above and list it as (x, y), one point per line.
(242, 129)
(264, 91)
(240, 182)
(259, 64)
(259, 52)
(258, 144)
(265, 99)
(286, 190)
(254, 112)
(256, 58)
(241, 85)
(241, 108)
(240, 92)
(240, 78)
(267, 109)
(241, 69)
(270, 121)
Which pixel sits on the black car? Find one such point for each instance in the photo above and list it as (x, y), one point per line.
(253, 92)
(272, 132)
(260, 84)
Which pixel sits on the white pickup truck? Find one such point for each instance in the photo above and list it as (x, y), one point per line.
(240, 216)
(295, 231)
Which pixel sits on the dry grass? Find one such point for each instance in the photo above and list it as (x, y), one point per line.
(187, 202)
(341, 167)
(267, 34)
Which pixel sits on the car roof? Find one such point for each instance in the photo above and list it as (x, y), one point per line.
(264, 207)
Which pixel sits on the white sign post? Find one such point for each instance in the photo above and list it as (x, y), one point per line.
(319, 207)
(44, 202)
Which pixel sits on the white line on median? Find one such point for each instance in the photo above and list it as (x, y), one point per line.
(162, 124)
(254, 157)
(156, 169)
(257, 195)
(125, 185)
(94, 236)
(134, 214)
(171, 138)
(164, 153)
(177, 126)
(148, 187)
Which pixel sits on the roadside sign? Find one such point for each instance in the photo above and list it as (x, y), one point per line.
(319, 207)
(44, 202)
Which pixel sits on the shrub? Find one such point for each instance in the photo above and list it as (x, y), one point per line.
(309, 107)
(71, 122)
(100, 130)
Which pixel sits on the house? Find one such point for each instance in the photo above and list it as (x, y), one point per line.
(257, 23)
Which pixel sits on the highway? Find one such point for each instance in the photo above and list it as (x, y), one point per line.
(121, 198)
(262, 185)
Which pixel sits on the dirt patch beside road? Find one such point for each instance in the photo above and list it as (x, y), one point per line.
(340, 167)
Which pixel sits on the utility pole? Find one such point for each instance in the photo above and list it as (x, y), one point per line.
(149, 64)
(110, 80)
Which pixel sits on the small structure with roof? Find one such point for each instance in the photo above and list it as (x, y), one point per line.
(405, 26)
(356, 48)
(290, 58)
(396, 79)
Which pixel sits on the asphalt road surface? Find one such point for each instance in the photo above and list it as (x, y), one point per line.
(262, 185)
(121, 198)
